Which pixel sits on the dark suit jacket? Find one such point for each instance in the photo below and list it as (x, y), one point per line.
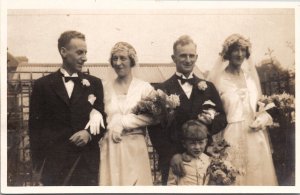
(54, 118)
(167, 142)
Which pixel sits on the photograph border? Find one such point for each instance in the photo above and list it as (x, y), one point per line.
(134, 5)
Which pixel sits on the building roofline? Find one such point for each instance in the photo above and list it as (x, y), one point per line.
(96, 64)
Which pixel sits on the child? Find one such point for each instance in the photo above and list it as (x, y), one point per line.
(194, 141)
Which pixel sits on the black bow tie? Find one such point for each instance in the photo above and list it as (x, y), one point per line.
(74, 79)
(183, 80)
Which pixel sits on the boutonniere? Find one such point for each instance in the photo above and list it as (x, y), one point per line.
(85, 83)
(202, 85)
(92, 98)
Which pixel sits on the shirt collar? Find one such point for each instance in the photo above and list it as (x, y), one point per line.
(182, 76)
(66, 74)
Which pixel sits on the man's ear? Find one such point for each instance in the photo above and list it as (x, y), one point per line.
(183, 144)
(63, 52)
(173, 58)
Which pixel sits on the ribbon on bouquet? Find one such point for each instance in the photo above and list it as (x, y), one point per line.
(262, 117)
(262, 107)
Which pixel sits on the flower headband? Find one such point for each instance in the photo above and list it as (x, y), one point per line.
(235, 39)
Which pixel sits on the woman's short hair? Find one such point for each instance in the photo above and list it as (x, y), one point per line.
(124, 46)
(183, 40)
(195, 130)
(232, 42)
(66, 37)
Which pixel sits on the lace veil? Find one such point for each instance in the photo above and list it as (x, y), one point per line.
(247, 67)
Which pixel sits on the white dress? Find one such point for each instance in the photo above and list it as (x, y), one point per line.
(250, 150)
(125, 163)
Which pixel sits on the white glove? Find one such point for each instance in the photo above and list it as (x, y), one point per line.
(96, 119)
(261, 121)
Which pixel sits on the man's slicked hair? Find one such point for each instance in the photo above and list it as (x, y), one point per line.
(66, 37)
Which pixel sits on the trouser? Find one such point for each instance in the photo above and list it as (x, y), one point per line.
(164, 174)
(81, 175)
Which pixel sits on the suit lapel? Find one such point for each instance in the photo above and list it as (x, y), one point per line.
(197, 96)
(195, 88)
(59, 87)
(176, 88)
(78, 90)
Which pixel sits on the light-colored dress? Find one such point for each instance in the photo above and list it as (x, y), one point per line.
(196, 172)
(125, 163)
(250, 150)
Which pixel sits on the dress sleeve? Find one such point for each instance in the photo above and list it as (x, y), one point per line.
(132, 121)
(147, 89)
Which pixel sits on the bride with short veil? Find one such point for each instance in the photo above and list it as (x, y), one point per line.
(236, 79)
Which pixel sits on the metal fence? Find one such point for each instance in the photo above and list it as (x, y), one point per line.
(19, 166)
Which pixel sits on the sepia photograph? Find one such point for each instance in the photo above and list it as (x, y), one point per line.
(101, 97)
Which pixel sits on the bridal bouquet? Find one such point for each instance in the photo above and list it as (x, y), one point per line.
(158, 105)
(280, 106)
(220, 170)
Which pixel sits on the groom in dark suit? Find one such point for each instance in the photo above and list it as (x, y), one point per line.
(194, 94)
(61, 105)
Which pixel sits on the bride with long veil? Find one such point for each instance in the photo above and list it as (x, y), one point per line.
(236, 79)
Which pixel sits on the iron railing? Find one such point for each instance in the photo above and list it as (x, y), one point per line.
(19, 166)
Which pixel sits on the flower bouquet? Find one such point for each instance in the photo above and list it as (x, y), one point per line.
(220, 170)
(280, 106)
(159, 106)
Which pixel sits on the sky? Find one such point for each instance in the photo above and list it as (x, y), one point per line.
(34, 33)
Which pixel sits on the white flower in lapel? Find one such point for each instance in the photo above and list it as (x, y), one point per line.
(92, 98)
(202, 85)
(85, 83)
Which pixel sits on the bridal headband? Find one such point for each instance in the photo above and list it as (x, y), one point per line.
(238, 40)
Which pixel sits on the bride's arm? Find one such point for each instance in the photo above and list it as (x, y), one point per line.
(132, 121)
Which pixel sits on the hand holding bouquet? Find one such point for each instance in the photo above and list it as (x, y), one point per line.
(274, 109)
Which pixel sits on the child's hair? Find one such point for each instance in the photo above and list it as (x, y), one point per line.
(195, 130)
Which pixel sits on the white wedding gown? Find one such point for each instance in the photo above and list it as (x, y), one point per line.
(125, 163)
(249, 150)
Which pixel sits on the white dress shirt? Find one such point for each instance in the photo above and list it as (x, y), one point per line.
(186, 87)
(70, 84)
